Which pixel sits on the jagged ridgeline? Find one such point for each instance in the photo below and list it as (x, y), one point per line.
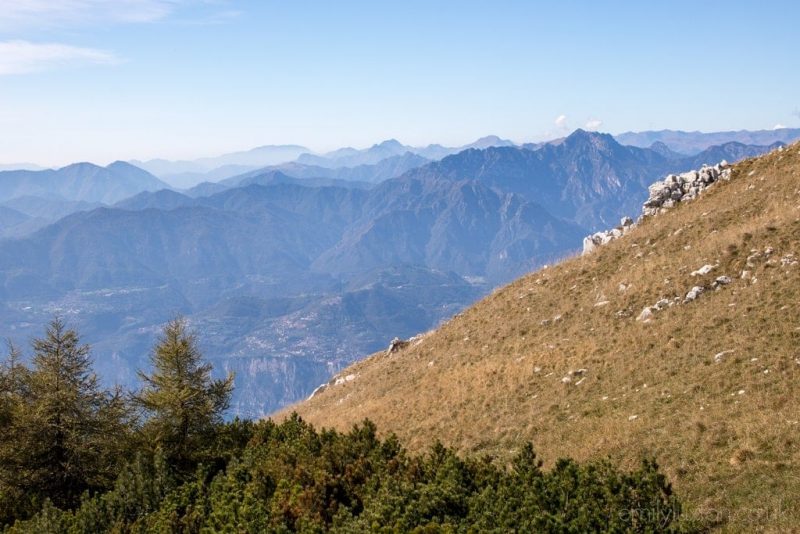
(706, 379)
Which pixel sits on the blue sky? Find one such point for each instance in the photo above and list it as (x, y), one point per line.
(100, 80)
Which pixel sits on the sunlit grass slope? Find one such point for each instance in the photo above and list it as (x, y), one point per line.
(711, 387)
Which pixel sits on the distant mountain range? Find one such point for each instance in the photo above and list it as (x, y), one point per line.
(688, 143)
(41, 197)
(20, 167)
(258, 262)
(389, 167)
(187, 173)
(79, 182)
(351, 157)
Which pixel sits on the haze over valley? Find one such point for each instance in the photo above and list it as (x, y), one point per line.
(399, 266)
(295, 270)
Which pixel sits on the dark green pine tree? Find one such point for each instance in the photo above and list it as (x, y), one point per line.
(68, 434)
(183, 403)
(13, 392)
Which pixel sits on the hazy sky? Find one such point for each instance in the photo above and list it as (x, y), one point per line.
(100, 80)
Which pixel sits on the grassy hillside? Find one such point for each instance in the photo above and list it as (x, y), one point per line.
(710, 388)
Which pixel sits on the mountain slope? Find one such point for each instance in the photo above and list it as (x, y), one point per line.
(11, 220)
(463, 226)
(709, 387)
(587, 177)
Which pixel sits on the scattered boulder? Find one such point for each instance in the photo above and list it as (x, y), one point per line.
(721, 281)
(395, 345)
(335, 381)
(645, 315)
(704, 270)
(693, 293)
(339, 380)
(648, 311)
(577, 373)
(718, 356)
(601, 238)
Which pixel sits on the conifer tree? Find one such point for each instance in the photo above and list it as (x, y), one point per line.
(184, 404)
(68, 433)
(13, 382)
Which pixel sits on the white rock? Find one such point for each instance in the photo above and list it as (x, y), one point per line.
(705, 269)
(693, 294)
(633, 418)
(607, 237)
(718, 356)
(661, 304)
(588, 245)
(317, 390)
(723, 280)
(646, 315)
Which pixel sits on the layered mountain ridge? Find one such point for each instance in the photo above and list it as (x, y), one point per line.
(274, 257)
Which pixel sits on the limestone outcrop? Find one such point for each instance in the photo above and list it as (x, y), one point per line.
(663, 195)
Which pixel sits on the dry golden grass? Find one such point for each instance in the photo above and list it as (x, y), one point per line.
(726, 433)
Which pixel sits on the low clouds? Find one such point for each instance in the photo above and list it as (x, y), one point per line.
(593, 124)
(22, 57)
(778, 126)
(562, 124)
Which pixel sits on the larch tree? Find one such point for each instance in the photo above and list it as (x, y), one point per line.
(182, 402)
